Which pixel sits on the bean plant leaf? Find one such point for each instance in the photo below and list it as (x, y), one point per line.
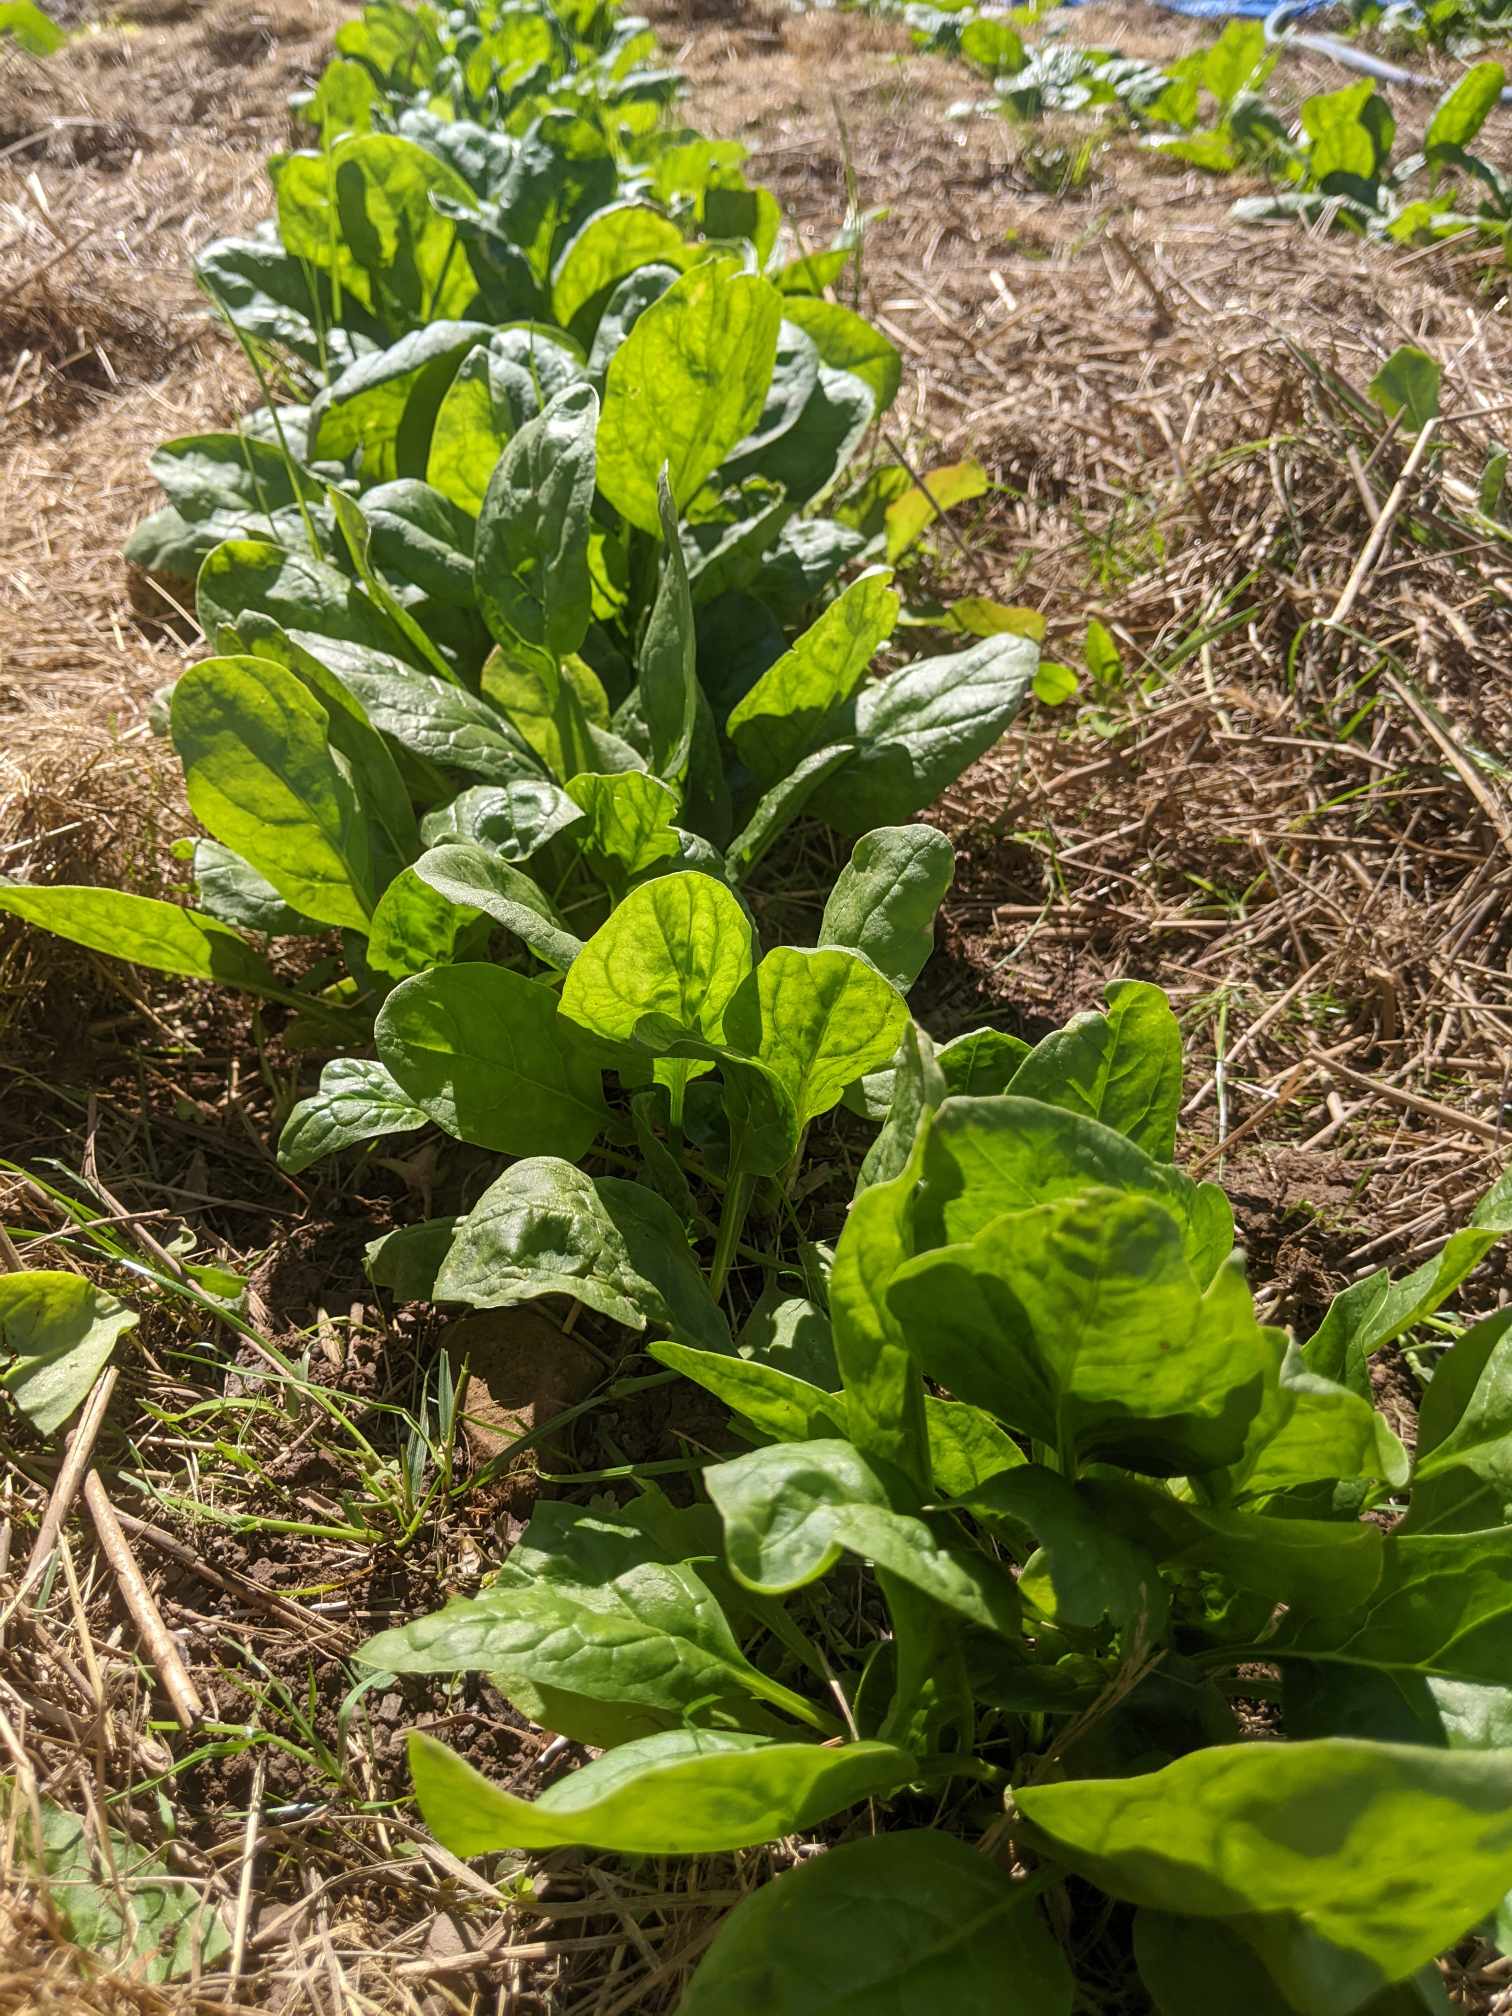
(532, 551)
(885, 901)
(685, 385)
(479, 1048)
(840, 1934)
(57, 1331)
(1389, 1850)
(358, 1100)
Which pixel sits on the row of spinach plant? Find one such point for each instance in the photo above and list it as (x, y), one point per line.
(1332, 163)
(539, 612)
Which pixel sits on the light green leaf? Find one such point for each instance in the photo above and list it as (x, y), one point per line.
(532, 553)
(911, 515)
(802, 696)
(544, 1228)
(780, 806)
(513, 820)
(686, 384)
(57, 1331)
(917, 1086)
(358, 1100)
(1311, 1430)
(848, 342)
(1389, 1850)
(34, 30)
(260, 774)
(118, 1901)
(1408, 382)
(479, 1048)
(918, 730)
(384, 405)
(845, 1933)
(539, 700)
(885, 901)
(498, 386)
(817, 1020)
(1460, 114)
(1085, 1568)
(415, 927)
(476, 878)
(687, 1792)
(1081, 1324)
(1122, 1068)
(628, 827)
(776, 1401)
(143, 930)
(608, 248)
(676, 948)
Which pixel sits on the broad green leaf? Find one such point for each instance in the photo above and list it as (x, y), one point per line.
(539, 700)
(1327, 1566)
(910, 516)
(385, 188)
(1464, 109)
(261, 775)
(1122, 1068)
(1181, 1958)
(1408, 382)
(1081, 1324)
(793, 705)
(544, 1228)
(118, 1901)
(780, 806)
(687, 1792)
(231, 890)
(981, 1062)
(513, 820)
(444, 724)
(300, 595)
(989, 1156)
(1389, 1850)
(966, 1446)
(848, 342)
(357, 536)
(847, 1933)
(624, 308)
(1460, 1478)
(358, 1099)
(1085, 1567)
(497, 387)
(884, 1392)
(628, 824)
(885, 901)
(918, 730)
(776, 1401)
(407, 1260)
(420, 539)
(1374, 1312)
(1229, 66)
(384, 406)
(649, 1635)
(992, 43)
(608, 248)
(1351, 133)
(1310, 1430)
(782, 1508)
(477, 878)
(143, 930)
(675, 949)
(685, 385)
(918, 1086)
(791, 1333)
(563, 171)
(817, 1020)
(57, 1331)
(203, 474)
(415, 927)
(1443, 1606)
(668, 685)
(479, 1048)
(532, 553)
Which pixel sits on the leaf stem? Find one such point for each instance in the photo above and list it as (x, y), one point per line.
(731, 1218)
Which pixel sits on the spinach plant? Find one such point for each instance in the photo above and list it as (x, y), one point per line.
(1033, 1510)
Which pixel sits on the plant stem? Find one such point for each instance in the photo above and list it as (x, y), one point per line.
(736, 1204)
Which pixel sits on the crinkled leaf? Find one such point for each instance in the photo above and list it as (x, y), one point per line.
(358, 1100)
